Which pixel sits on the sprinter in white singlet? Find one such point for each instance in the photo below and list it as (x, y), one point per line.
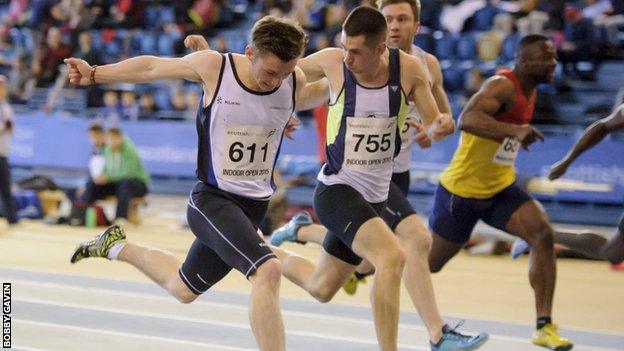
(247, 102)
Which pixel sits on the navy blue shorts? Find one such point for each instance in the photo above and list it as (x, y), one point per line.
(454, 217)
(226, 229)
(343, 210)
(402, 180)
(621, 224)
(397, 208)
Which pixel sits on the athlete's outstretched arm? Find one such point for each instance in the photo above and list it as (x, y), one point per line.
(141, 69)
(315, 66)
(478, 115)
(313, 94)
(439, 94)
(592, 136)
(438, 125)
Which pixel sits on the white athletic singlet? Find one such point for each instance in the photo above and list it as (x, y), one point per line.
(240, 133)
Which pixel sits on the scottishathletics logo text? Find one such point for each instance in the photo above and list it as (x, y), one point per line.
(6, 315)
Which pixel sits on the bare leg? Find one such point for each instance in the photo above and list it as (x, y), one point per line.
(313, 233)
(589, 244)
(264, 310)
(614, 250)
(322, 281)
(531, 224)
(365, 268)
(376, 242)
(160, 266)
(416, 241)
(441, 252)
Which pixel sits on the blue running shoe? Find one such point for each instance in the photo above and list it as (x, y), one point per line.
(288, 232)
(452, 340)
(519, 248)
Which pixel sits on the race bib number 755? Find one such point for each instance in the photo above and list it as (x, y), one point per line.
(369, 142)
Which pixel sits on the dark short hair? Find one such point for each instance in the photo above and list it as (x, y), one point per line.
(367, 21)
(278, 36)
(96, 128)
(414, 4)
(115, 131)
(528, 41)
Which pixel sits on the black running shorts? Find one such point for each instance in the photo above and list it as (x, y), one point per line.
(226, 229)
(343, 210)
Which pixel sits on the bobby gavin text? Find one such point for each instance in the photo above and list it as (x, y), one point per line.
(6, 315)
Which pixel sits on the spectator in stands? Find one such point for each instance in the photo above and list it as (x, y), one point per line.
(124, 175)
(473, 83)
(192, 101)
(126, 14)
(21, 81)
(220, 44)
(596, 9)
(129, 106)
(87, 52)
(111, 110)
(555, 10)
(50, 57)
(578, 41)
(608, 14)
(97, 137)
(178, 100)
(147, 106)
(6, 131)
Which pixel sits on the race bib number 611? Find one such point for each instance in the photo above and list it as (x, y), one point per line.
(369, 142)
(249, 152)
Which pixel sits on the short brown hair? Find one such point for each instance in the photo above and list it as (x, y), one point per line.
(96, 128)
(367, 21)
(414, 4)
(278, 36)
(115, 131)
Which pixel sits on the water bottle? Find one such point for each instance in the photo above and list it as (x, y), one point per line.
(90, 217)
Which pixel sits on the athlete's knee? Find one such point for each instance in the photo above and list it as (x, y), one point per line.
(180, 291)
(321, 293)
(393, 260)
(540, 235)
(270, 272)
(416, 242)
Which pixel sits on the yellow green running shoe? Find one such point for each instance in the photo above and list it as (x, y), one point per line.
(100, 245)
(549, 337)
(350, 287)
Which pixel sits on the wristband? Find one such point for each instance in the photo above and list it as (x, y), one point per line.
(92, 75)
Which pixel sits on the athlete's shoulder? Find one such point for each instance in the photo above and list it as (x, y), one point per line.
(207, 63)
(412, 68)
(300, 78)
(498, 83)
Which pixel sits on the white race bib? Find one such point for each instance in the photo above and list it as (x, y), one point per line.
(369, 142)
(249, 152)
(507, 152)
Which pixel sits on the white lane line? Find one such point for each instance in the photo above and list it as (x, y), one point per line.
(203, 321)
(203, 303)
(120, 293)
(130, 335)
(404, 326)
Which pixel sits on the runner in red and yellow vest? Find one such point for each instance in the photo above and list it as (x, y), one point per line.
(482, 167)
(479, 183)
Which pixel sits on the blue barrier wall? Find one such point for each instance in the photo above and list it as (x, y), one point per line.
(169, 149)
